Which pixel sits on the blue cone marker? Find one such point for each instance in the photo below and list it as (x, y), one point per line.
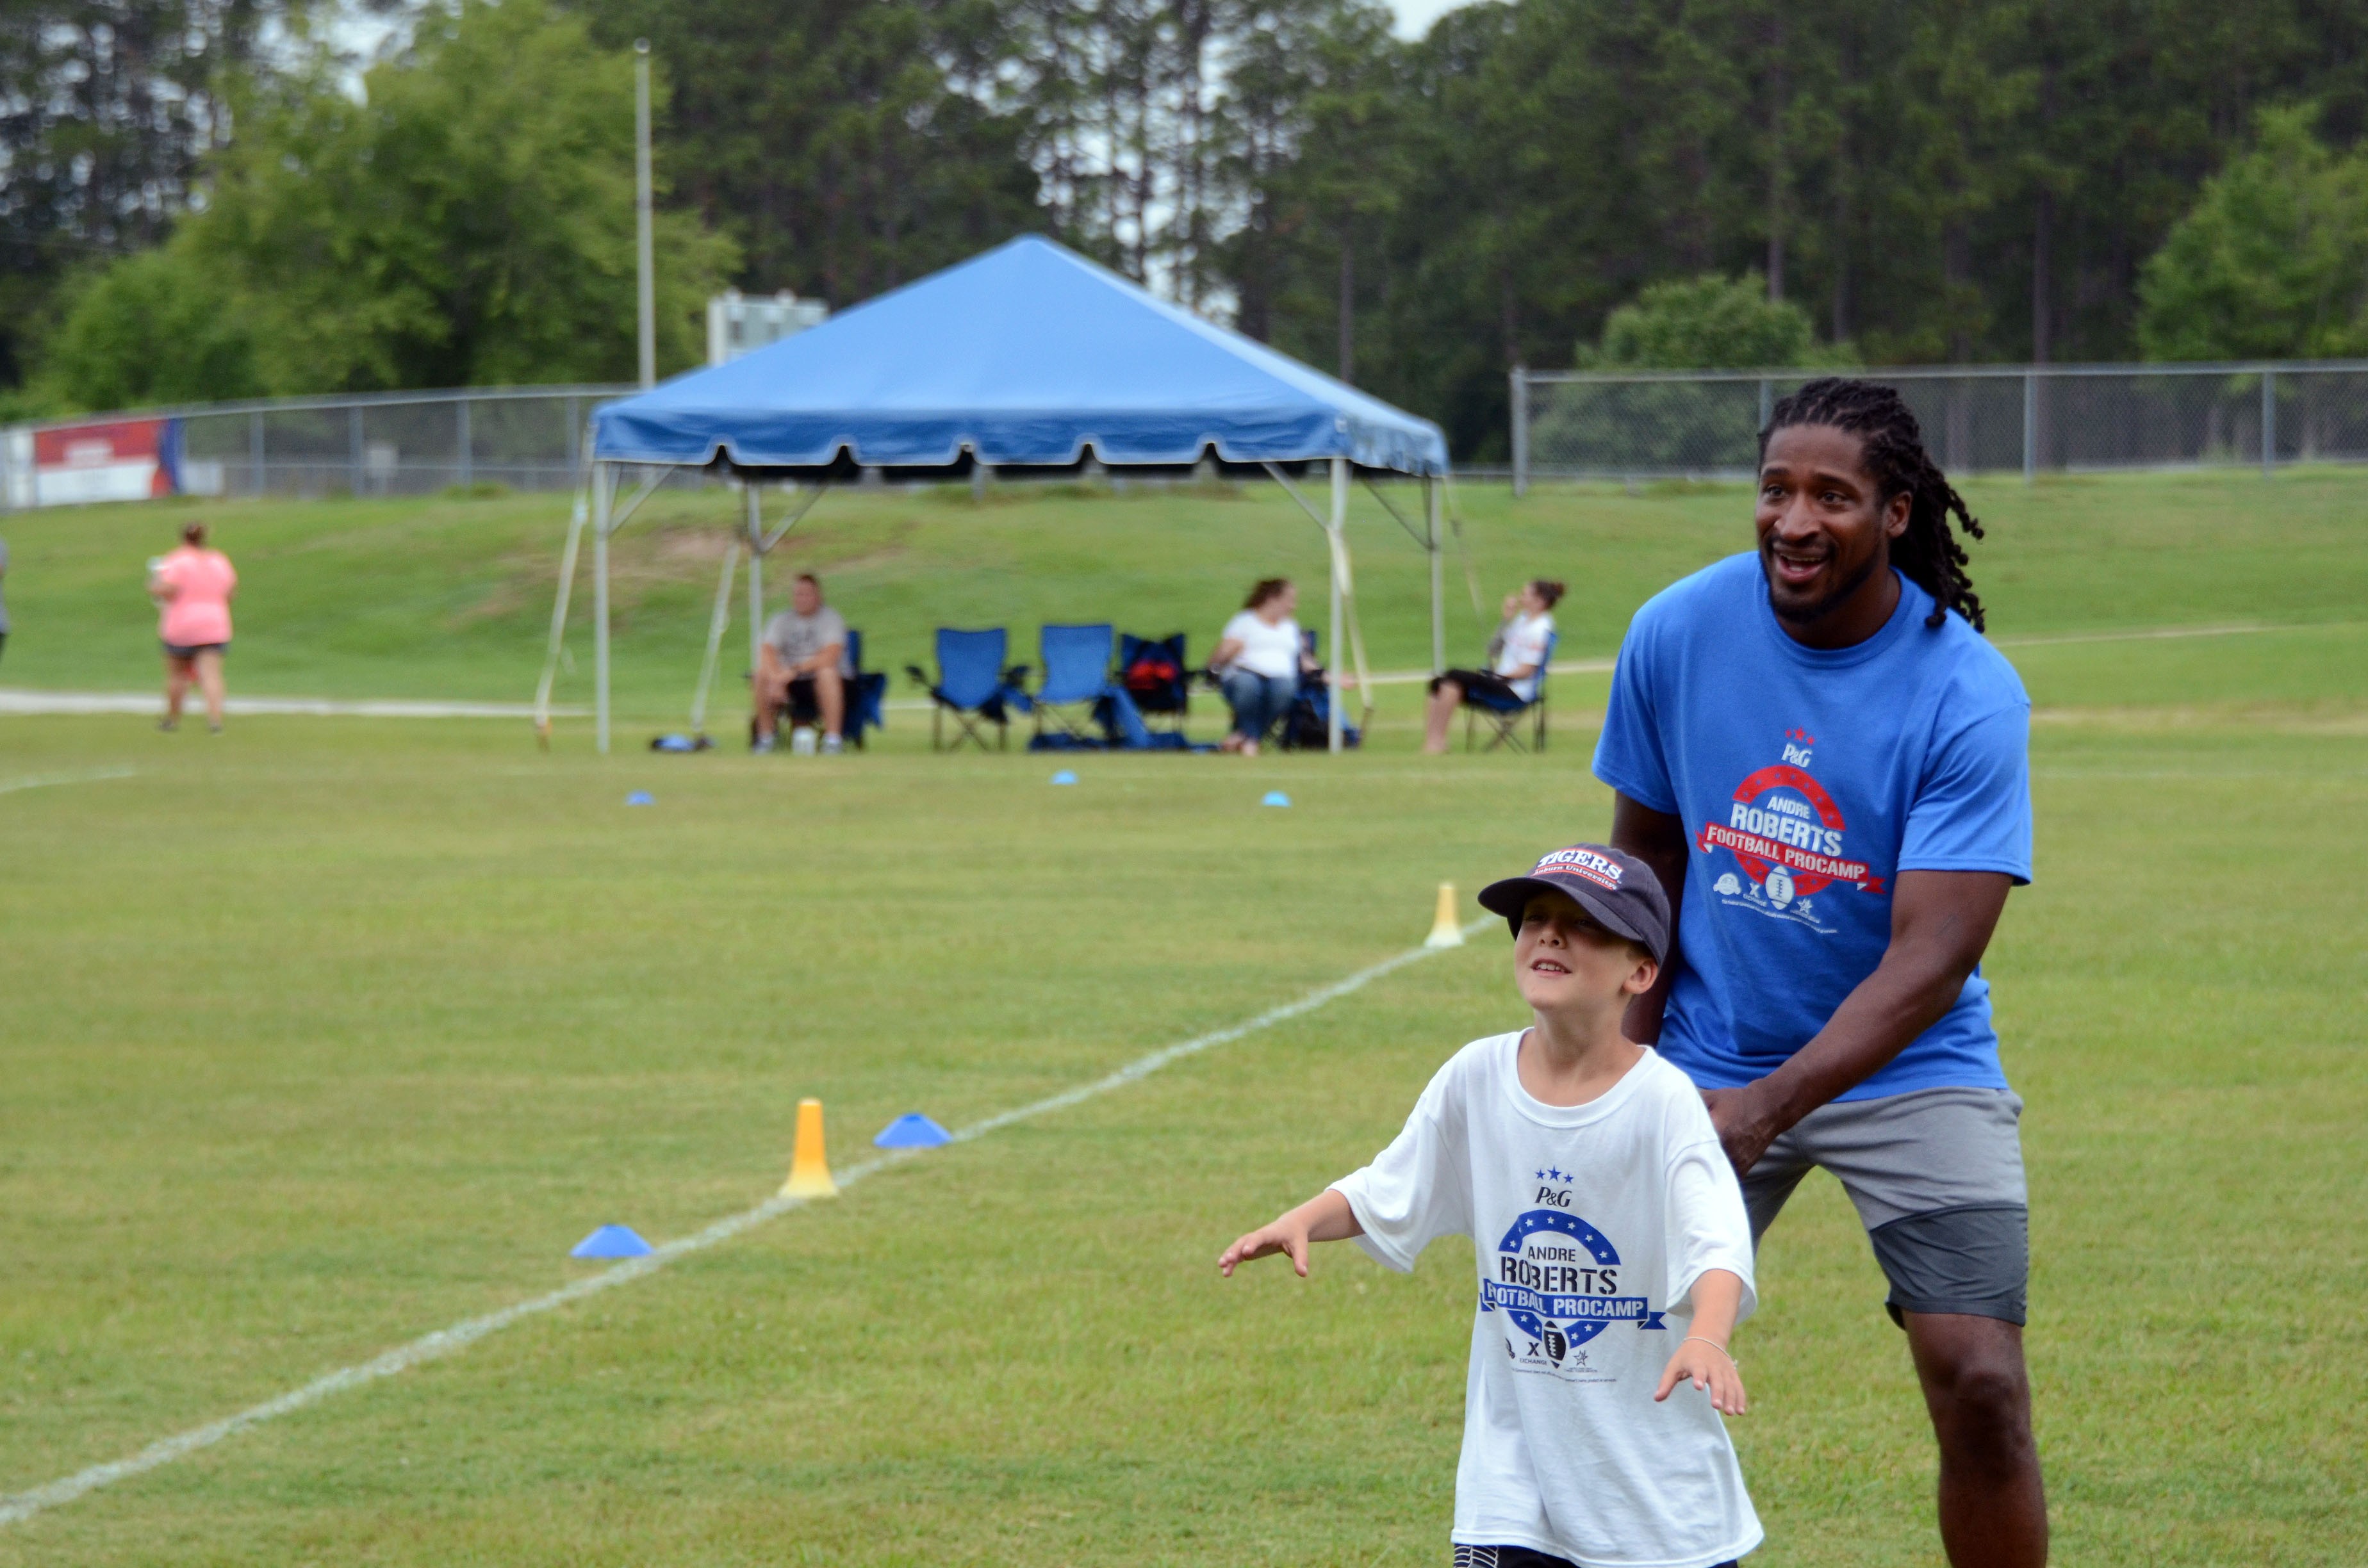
(641, 798)
(1275, 798)
(1064, 776)
(912, 1130)
(612, 1241)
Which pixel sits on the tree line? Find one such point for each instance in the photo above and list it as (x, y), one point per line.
(199, 198)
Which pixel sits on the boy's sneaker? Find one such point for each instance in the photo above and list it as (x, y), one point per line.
(832, 746)
(760, 745)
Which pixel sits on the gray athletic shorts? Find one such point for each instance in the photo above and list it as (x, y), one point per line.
(1936, 1178)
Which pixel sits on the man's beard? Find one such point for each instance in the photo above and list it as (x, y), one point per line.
(1816, 612)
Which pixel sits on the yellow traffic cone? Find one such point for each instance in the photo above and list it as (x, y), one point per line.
(809, 1168)
(1445, 932)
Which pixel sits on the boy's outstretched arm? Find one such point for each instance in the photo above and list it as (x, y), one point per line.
(1326, 1217)
(1702, 1355)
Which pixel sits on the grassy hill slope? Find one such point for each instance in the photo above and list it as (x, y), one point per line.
(452, 597)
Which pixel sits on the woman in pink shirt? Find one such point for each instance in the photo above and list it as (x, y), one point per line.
(192, 587)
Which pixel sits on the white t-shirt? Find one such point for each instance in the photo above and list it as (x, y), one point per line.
(1525, 648)
(1590, 1225)
(1266, 649)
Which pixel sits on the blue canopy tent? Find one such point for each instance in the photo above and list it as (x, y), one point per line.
(1027, 357)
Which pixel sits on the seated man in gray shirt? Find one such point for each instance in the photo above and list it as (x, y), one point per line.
(803, 662)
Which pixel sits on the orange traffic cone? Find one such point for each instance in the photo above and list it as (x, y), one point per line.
(809, 1168)
(1445, 932)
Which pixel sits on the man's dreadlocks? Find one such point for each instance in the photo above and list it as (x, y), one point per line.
(1926, 553)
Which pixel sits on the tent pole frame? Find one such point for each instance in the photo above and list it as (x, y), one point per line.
(607, 520)
(1339, 520)
(577, 516)
(603, 478)
(754, 507)
(1438, 603)
(718, 622)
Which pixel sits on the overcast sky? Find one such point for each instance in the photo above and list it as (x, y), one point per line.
(1414, 17)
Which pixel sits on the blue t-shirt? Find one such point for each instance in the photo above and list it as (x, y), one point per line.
(1807, 780)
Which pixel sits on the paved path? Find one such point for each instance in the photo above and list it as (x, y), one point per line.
(19, 700)
(16, 700)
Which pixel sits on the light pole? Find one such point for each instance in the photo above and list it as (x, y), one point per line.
(641, 243)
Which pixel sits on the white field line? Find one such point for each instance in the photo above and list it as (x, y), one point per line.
(461, 1336)
(2163, 633)
(43, 781)
(21, 702)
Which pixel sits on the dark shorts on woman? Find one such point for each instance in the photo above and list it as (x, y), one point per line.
(1480, 683)
(185, 651)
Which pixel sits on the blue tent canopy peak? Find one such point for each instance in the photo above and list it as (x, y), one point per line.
(1028, 355)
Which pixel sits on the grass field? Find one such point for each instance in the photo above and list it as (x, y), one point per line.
(324, 1034)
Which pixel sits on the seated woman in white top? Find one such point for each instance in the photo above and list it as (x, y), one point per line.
(1257, 660)
(1517, 656)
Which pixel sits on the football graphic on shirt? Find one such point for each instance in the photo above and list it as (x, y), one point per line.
(1556, 1281)
(1786, 833)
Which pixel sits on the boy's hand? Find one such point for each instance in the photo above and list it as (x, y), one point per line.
(1326, 1217)
(1710, 1368)
(1282, 1237)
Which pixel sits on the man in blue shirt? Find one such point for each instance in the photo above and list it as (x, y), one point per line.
(1825, 764)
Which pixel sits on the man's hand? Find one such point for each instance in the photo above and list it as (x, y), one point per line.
(1746, 1121)
(1940, 923)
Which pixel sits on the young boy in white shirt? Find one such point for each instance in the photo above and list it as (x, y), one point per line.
(1615, 1254)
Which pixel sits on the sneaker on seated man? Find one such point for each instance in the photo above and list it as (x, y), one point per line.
(802, 663)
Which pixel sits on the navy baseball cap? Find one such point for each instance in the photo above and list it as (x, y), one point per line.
(1615, 887)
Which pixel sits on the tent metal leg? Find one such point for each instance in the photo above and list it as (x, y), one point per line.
(603, 478)
(756, 577)
(1438, 604)
(1339, 520)
(576, 518)
(717, 624)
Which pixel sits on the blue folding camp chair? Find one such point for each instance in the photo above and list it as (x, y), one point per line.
(1076, 673)
(1157, 678)
(1505, 713)
(867, 693)
(972, 685)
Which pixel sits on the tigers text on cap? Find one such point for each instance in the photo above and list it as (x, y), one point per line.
(1615, 887)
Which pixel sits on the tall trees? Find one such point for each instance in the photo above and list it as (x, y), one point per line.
(2273, 260)
(834, 140)
(105, 106)
(470, 221)
(1965, 179)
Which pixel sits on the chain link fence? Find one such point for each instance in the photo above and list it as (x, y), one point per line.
(380, 444)
(2021, 419)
